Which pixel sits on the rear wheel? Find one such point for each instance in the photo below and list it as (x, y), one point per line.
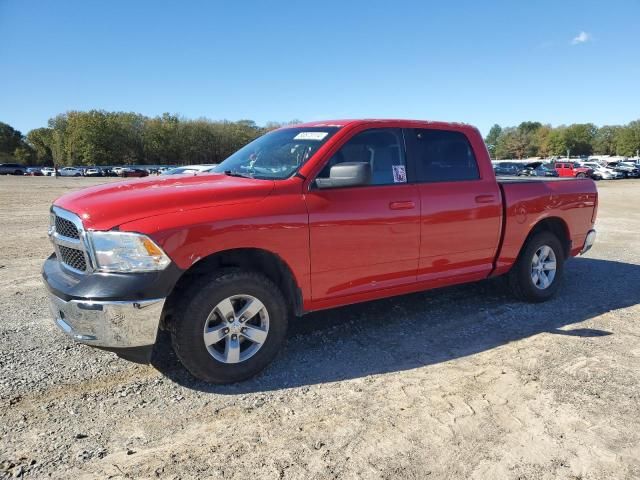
(537, 273)
(229, 326)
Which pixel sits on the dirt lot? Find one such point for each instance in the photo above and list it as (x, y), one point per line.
(458, 383)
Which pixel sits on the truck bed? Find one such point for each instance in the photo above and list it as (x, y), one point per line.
(526, 201)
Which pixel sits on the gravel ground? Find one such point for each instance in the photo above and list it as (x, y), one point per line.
(462, 382)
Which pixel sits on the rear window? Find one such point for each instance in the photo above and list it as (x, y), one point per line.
(443, 156)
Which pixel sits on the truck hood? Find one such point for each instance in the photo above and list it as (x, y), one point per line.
(104, 207)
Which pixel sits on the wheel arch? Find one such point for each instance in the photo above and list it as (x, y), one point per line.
(558, 227)
(252, 259)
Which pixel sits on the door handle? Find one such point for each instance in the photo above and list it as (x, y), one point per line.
(404, 205)
(485, 198)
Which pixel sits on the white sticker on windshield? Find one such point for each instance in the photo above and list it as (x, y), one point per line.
(311, 136)
(399, 174)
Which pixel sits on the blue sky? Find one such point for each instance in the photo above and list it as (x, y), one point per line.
(478, 62)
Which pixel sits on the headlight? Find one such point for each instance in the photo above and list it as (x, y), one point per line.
(126, 252)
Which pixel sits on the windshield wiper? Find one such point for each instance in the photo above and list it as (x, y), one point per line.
(233, 173)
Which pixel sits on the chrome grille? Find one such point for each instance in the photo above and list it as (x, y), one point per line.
(67, 234)
(73, 258)
(66, 228)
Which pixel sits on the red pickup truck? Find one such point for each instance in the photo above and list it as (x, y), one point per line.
(304, 218)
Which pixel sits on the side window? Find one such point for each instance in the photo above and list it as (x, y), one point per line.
(443, 156)
(381, 148)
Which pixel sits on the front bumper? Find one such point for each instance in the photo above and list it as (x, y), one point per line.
(112, 311)
(108, 324)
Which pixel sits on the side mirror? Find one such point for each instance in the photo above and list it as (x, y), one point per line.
(348, 174)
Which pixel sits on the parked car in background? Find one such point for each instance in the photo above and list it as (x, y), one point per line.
(507, 168)
(628, 169)
(193, 169)
(602, 172)
(108, 172)
(134, 172)
(48, 171)
(222, 262)
(33, 172)
(118, 170)
(572, 169)
(70, 172)
(538, 169)
(93, 172)
(12, 169)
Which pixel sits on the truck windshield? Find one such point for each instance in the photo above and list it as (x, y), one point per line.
(277, 154)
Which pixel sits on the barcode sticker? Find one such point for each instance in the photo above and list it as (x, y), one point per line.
(399, 174)
(311, 136)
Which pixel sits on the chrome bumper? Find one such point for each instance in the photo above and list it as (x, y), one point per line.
(588, 242)
(108, 324)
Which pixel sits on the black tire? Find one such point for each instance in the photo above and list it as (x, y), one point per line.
(520, 277)
(194, 308)
(581, 175)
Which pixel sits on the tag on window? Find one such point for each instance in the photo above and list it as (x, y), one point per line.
(311, 136)
(399, 173)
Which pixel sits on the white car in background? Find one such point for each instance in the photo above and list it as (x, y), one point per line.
(48, 171)
(193, 169)
(604, 172)
(70, 172)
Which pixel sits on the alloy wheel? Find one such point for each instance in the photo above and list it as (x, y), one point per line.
(236, 329)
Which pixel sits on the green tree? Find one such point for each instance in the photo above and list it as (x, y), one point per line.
(10, 139)
(556, 142)
(629, 139)
(41, 141)
(492, 139)
(579, 138)
(542, 140)
(606, 139)
(24, 154)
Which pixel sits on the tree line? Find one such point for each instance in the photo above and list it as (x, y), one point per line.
(533, 139)
(98, 137)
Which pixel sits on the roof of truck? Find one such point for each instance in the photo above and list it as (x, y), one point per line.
(399, 121)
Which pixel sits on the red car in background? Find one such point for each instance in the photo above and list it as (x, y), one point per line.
(134, 172)
(571, 169)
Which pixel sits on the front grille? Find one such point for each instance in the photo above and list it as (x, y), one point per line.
(66, 228)
(72, 257)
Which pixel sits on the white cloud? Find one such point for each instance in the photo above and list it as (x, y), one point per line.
(582, 37)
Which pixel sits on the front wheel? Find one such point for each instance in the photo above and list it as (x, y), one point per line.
(581, 175)
(229, 326)
(536, 275)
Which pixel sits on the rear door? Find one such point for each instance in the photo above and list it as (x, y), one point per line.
(365, 238)
(460, 202)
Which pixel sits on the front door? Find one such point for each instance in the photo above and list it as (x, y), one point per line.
(365, 238)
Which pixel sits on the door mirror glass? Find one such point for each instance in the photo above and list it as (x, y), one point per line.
(348, 174)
